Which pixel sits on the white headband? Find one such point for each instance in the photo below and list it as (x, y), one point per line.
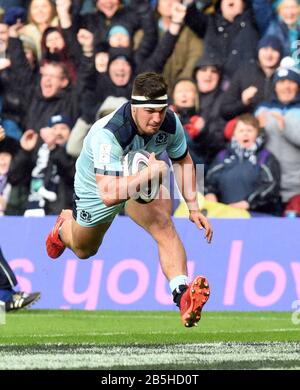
(143, 101)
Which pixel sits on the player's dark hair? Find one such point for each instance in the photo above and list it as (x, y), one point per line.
(149, 84)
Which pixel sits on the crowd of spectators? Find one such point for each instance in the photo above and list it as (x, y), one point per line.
(232, 67)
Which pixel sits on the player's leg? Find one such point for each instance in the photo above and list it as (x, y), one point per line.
(84, 241)
(155, 218)
(14, 300)
(81, 230)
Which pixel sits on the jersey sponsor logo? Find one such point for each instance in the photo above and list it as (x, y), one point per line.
(161, 138)
(104, 156)
(85, 216)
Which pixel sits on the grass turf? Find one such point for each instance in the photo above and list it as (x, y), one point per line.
(110, 339)
(113, 327)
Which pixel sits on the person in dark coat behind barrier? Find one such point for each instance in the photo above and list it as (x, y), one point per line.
(209, 138)
(100, 81)
(200, 141)
(15, 76)
(108, 14)
(245, 175)
(53, 95)
(253, 84)
(8, 148)
(45, 169)
(55, 48)
(230, 32)
(188, 48)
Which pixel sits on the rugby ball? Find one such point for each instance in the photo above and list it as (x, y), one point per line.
(134, 162)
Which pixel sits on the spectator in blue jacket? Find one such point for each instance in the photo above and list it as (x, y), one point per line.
(13, 3)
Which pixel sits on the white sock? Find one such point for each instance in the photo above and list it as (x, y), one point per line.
(177, 281)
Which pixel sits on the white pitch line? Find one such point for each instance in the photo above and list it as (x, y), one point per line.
(198, 355)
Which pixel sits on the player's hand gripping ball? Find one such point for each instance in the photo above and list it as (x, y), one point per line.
(133, 163)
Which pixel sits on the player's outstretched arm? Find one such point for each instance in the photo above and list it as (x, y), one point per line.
(202, 222)
(186, 179)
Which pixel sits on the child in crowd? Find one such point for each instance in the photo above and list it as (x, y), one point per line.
(245, 175)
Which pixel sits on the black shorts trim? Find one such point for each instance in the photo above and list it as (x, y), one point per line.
(75, 198)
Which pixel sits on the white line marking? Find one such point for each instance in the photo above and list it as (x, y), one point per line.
(199, 355)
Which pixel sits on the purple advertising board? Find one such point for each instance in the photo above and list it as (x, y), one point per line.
(252, 264)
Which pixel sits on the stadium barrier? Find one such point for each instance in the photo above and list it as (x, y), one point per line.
(252, 264)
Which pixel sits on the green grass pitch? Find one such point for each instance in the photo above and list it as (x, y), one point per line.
(53, 339)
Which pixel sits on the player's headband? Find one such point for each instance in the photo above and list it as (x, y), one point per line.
(143, 101)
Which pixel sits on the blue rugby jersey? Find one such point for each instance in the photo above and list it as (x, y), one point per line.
(115, 135)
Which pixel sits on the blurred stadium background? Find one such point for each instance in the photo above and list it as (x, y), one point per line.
(114, 311)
